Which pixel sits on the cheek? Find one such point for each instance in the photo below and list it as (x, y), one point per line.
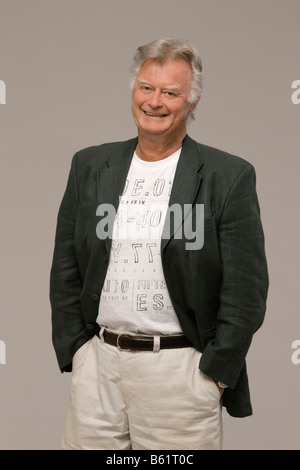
(183, 112)
(137, 100)
(135, 107)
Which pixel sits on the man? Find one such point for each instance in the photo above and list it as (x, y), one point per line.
(154, 323)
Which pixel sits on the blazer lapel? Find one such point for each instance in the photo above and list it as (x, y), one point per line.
(111, 180)
(185, 187)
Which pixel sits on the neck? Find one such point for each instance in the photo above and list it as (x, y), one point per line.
(153, 148)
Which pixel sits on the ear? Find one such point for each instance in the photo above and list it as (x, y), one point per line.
(193, 105)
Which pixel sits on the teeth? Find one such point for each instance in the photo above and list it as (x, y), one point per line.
(152, 114)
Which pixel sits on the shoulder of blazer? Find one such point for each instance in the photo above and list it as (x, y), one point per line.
(221, 160)
(104, 155)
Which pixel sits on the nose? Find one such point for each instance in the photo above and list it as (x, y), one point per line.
(155, 101)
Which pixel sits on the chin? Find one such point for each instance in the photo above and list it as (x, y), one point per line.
(154, 128)
(153, 131)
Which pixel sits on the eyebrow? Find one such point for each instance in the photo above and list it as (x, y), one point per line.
(170, 87)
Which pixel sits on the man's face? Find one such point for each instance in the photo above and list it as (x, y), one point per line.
(160, 98)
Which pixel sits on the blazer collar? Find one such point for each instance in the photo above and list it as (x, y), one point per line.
(124, 154)
(187, 177)
(190, 153)
(111, 180)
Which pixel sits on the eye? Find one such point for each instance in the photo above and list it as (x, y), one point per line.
(170, 94)
(145, 88)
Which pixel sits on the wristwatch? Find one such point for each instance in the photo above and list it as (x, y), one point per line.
(221, 385)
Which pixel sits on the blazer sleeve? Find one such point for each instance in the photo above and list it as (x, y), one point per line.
(244, 281)
(65, 280)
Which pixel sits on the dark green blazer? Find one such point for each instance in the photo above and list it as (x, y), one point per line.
(219, 291)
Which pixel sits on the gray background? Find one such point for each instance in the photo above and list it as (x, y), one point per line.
(65, 64)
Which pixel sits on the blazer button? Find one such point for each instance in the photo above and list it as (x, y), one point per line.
(95, 297)
(105, 257)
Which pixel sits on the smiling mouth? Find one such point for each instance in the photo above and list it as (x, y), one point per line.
(154, 114)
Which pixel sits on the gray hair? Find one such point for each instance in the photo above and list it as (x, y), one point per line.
(164, 49)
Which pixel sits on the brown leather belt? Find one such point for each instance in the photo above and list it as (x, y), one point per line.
(143, 343)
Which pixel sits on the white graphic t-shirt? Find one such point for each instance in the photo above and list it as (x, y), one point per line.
(135, 297)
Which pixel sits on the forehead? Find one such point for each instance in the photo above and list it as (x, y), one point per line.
(172, 72)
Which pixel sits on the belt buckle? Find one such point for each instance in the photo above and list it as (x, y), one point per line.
(118, 345)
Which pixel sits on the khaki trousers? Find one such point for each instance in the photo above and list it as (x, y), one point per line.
(130, 400)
